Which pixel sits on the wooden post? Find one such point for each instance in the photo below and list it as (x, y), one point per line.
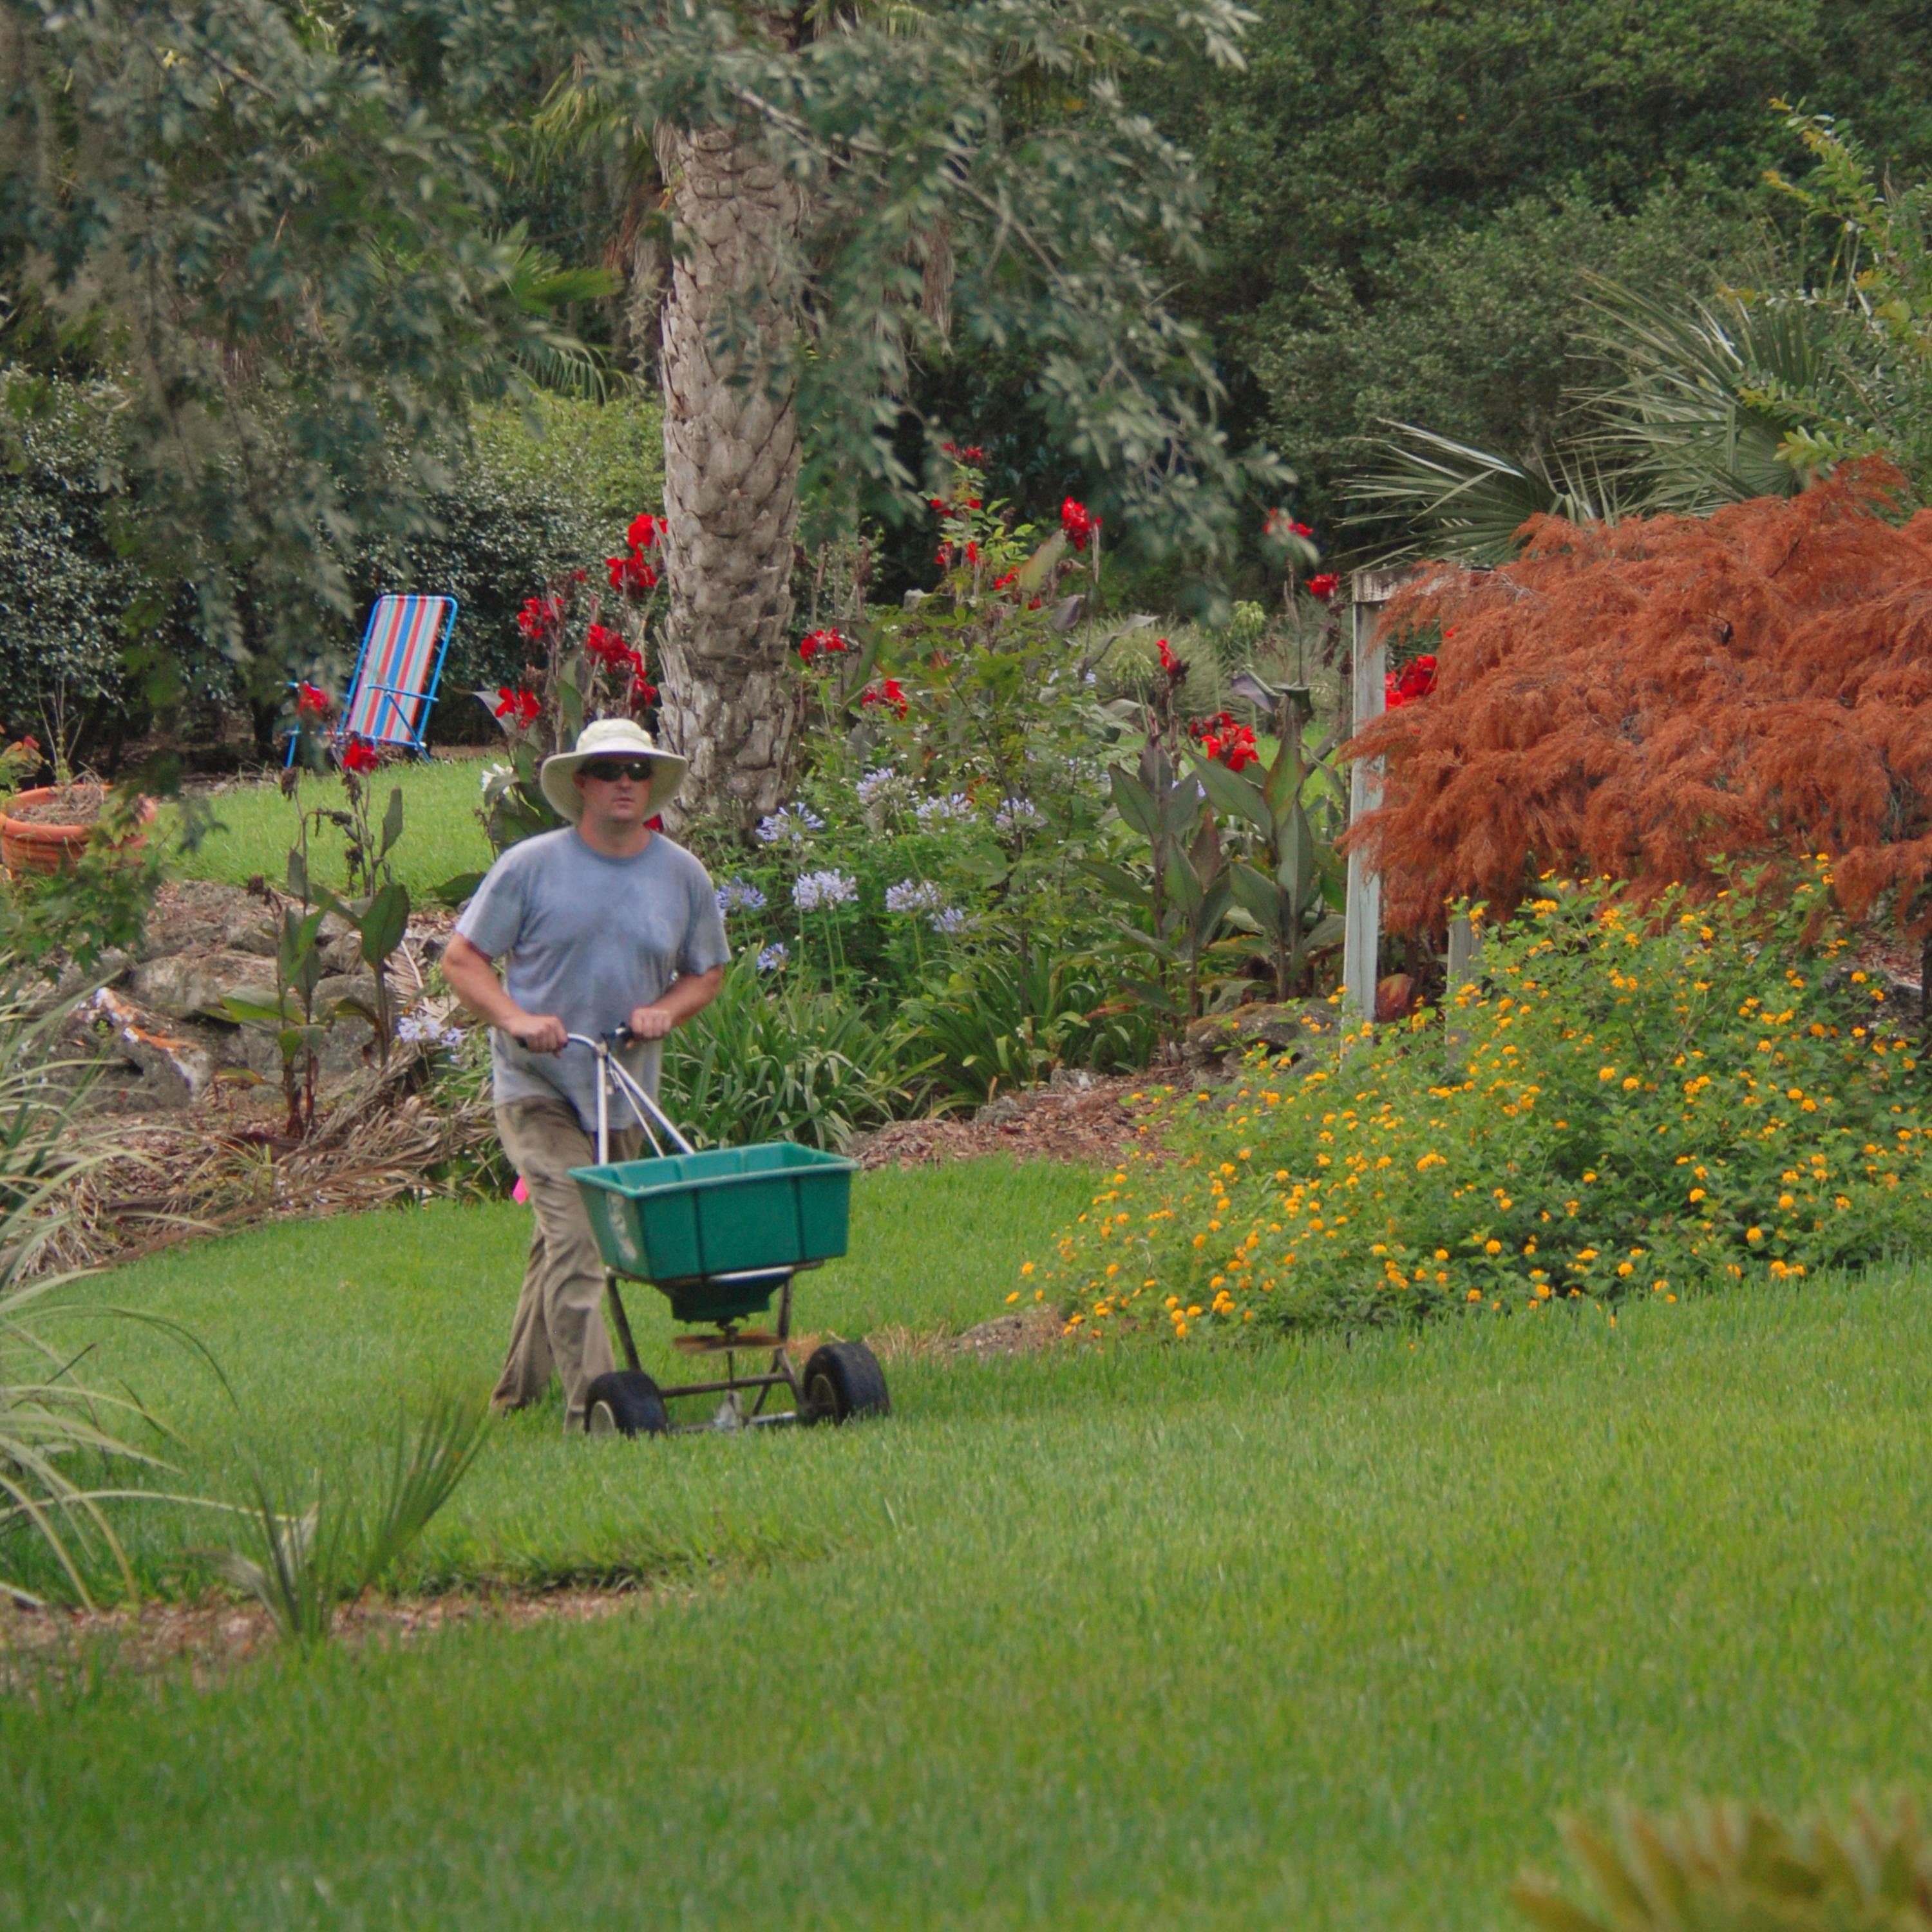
(1362, 929)
(1464, 963)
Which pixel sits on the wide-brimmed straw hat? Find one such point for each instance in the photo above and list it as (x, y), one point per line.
(610, 738)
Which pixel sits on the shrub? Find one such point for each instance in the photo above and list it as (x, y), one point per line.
(789, 1062)
(533, 499)
(538, 493)
(1005, 1021)
(62, 583)
(1657, 699)
(1644, 1103)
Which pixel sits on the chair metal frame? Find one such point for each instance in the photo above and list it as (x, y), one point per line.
(392, 697)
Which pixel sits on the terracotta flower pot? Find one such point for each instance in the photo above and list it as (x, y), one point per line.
(26, 847)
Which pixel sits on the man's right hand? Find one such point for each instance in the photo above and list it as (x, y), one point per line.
(540, 1033)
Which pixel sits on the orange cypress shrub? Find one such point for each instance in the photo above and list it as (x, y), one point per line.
(1646, 700)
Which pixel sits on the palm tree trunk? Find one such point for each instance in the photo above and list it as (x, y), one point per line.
(731, 459)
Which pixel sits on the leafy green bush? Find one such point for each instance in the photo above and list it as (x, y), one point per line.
(1005, 1021)
(1725, 1869)
(787, 1061)
(1643, 1102)
(63, 583)
(537, 492)
(536, 496)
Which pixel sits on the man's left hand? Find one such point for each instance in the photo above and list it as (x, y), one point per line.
(650, 1022)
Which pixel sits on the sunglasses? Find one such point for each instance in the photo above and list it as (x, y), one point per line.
(608, 771)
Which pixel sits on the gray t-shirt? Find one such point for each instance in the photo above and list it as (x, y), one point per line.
(588, 939)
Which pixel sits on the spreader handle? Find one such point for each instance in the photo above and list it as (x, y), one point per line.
(612, 1071)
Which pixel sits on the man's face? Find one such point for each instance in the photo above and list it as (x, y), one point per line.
(614, 789)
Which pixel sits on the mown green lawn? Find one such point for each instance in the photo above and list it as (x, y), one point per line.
(255, 826)
(1307, 1635)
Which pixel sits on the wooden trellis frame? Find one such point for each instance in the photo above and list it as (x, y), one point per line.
(1370, 591)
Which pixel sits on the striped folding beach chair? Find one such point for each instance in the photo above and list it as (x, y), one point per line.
(396, 674)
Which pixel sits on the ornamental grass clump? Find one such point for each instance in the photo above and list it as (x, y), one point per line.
(1632, 1103)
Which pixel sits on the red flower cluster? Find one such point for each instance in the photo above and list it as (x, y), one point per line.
(630, 574)
(1416, 679)
(1220, 737)
(538, 615)
(312, 702)
(358, 755)
(814, 642)
(607, 647)
(888, 693)
(1324, 584)
(972, 453)
(1169, 663)
(521, 707)
(1280, 523)
(1077, 523)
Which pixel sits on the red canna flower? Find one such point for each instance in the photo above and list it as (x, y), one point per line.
(358, 755)
(972, 553)
(815, 642)
(1415, 680)
(312, 702)
(889, 694)
(520, 706)
(1324, 584)
(1221, 737)
(1006, 582)
(1169, 662)
(607, 646)
(642, 532)
(1078, 523)
(537, 616)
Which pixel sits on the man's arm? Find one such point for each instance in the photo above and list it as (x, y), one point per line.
(689, 993)
(472, 978)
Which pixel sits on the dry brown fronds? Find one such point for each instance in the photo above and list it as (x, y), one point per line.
(193, 1173)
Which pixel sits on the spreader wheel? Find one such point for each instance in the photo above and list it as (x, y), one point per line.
(625, 1402)
(844, 1379)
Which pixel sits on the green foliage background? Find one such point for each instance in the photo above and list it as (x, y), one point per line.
(1404, 200)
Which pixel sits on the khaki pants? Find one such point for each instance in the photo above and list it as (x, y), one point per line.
(559, 1319)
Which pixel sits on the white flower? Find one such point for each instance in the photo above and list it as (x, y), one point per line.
(491, 774)
(423, 1029)
(912, 895)
(937, 811)
(788, 825)
(824, 889)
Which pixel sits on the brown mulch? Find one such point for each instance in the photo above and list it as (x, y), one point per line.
(1094, 1125)
(39, 1648)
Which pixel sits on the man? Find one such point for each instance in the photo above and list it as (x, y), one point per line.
(605, 923)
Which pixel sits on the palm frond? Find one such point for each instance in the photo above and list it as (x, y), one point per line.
(1468, 504)
(1714, 401)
